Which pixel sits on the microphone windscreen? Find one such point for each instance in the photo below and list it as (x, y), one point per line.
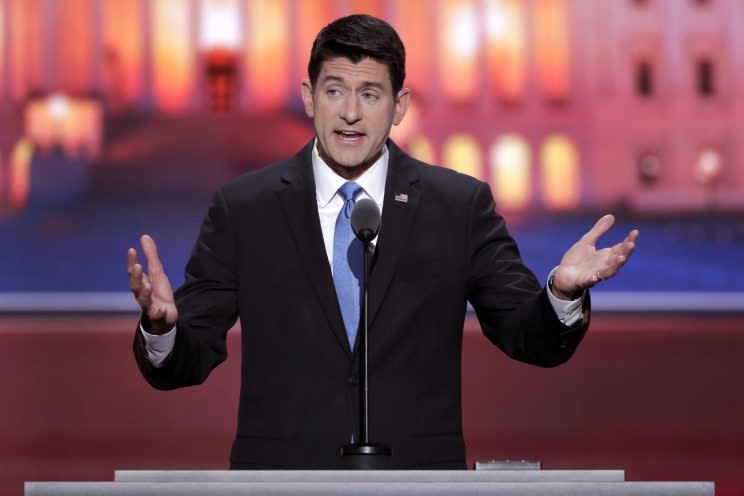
(365, 219)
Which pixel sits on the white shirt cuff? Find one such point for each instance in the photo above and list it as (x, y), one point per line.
(568, 312)
(158, 347)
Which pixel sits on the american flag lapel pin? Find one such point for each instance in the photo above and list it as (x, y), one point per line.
(401, 197)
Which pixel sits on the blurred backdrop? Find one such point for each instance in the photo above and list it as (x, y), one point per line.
(120, 117)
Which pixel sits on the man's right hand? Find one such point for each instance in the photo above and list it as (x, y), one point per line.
(152, 291)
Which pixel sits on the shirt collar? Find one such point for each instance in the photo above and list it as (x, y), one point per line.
(328, 182)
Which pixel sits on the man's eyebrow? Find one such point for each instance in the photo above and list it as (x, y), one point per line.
(373, 84)
(340, 79)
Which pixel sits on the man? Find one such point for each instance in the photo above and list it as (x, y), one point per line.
(276, 250)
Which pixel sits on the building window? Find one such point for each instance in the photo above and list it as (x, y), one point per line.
(463, 154)
(510, 159)
(649, 167)
(708, 167)
(421, 148)
(644, 79)
(559, 166)
(705, 76)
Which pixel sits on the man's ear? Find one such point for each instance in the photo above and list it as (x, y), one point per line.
(401, 105)
(307, 97)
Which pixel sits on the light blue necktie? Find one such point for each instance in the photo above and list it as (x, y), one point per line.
(348, 263)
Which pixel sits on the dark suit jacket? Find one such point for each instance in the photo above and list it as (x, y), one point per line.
(260, 256)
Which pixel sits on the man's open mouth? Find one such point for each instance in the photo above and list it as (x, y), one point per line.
(349, 135)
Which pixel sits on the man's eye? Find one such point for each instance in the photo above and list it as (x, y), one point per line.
(370, 97)
(332, 92)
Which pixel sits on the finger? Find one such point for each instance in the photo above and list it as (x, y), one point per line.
(140, 286)
(151, 253)
(623, 249)
(602, 226)
(632, 236)
(628, 244)
(131, 260)
(145, 295)
(135, 279)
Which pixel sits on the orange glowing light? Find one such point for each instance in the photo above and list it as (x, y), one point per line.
(219, 25)
(2, 54)
(123, 52)
(463, 154)
(505, 47)
(551, 48)
(510, 171)
(74, 41)
(560, 173)
(20, 174)
(458, 48)
(311, 16)
(26, 55)
(415, 31)
(58, 107)
(268, 58)
(421, 148)
(73, 124)
(173, 62)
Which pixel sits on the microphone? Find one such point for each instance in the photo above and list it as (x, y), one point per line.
(365, 455)
(365, 220)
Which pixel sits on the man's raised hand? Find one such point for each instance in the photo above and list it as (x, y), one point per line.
(152, 291)
(583, 265)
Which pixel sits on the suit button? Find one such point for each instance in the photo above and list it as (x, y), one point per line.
(353, 380)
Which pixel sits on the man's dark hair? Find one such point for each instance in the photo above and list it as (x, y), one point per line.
(357, 37)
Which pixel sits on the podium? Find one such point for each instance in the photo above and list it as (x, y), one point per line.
(372, 483)
(369, 475)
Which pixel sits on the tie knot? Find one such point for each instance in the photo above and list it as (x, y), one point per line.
(349, 190)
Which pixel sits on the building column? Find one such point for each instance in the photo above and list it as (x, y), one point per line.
(246, 98)
(6, 95)
(485, 88)
(197, 80)
(50, 44)
(533, 99)
(438, 105)
(98, 50)
(146, 99)
(296, 74)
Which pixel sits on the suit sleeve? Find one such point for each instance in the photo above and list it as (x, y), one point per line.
(513, 309)
(207, 307)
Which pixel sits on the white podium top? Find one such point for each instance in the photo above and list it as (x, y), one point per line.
(369, 475)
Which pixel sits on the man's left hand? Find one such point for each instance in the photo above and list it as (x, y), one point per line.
(583, 266)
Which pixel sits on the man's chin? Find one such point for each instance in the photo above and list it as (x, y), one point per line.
(348, 161)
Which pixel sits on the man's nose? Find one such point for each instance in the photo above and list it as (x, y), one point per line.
(350, 111)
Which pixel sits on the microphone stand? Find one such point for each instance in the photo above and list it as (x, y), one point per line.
(365, 455)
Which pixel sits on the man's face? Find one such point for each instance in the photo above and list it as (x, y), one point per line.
(353, 108)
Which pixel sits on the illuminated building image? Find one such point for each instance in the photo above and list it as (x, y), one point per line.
(558, 104)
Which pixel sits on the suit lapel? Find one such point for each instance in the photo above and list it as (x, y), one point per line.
(401, 202)
(299, 204)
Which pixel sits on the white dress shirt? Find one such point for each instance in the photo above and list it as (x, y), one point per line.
(329, 203)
